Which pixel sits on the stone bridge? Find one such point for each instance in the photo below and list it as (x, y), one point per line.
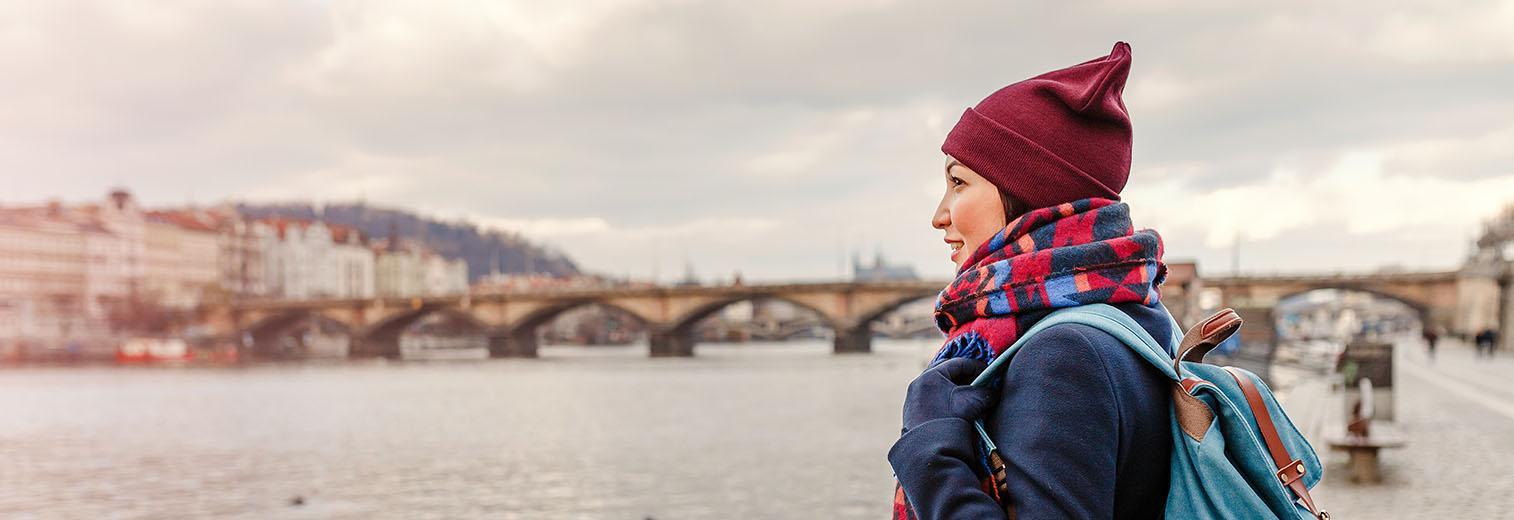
(1432, 295)
(1457, 302)
(510, 320)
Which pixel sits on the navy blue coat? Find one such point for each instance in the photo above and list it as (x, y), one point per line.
(1081, 421)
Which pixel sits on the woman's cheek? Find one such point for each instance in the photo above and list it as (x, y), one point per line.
(971, 225)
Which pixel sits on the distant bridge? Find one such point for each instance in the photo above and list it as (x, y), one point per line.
(510, 320)
(1432, 295)
(1456, 302)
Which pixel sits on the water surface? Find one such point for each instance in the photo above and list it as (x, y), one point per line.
(779, 430)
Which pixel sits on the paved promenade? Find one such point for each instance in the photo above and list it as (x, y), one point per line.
(1456, 413)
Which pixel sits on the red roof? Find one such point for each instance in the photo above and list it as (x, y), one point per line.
(190, 220)
(338, 233)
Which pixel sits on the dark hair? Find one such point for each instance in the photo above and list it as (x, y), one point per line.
(1012, 207)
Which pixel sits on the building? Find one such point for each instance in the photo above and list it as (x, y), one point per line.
(407, 271)
(351, 264)
(65, 270)
(240, 259)
(42, 279)
(113, 240)
(182, 253)
(881, 270)
(398, 272)
(444, 276)
(310, 260)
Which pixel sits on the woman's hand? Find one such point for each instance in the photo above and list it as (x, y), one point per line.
(945, 390)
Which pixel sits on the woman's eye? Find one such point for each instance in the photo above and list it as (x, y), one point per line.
(956, 181)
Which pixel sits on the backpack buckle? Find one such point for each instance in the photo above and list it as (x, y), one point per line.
(1293, 471)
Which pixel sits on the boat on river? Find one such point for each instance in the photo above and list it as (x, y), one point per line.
(153, 350)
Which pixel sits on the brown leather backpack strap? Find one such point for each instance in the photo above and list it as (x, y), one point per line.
(1290, 471)
(1000, 474)
(1203, 337)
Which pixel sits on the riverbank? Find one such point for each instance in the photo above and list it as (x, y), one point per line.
(1457, 414)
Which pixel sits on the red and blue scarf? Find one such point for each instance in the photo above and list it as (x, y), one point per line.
(1077, 253)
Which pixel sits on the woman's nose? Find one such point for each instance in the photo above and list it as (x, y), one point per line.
(942, 218)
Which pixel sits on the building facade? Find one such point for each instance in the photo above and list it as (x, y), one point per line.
(881, 270)
(309, 260)
(182, 252)
(65, 269)
(403, 271)
(240, 259)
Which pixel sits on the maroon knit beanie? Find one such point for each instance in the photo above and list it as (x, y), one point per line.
(1054, 138)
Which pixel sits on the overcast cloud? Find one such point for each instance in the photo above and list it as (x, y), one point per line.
(773, 137)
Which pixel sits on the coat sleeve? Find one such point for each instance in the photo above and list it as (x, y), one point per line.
(934, 464)
(1057, 425)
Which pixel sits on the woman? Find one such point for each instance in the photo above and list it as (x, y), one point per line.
(1032, 218)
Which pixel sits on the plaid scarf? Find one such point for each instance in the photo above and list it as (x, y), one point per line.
(1077, 253)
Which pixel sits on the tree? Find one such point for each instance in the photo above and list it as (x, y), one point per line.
(1498, 235)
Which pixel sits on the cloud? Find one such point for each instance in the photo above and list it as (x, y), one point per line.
(1486, 154)
(661, 252)
(1437, 33)
(598, 228)
(773, 138)
(1353, 198)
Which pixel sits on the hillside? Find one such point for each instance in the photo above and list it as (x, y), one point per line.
(460, 239)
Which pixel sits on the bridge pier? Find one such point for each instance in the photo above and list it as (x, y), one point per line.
(671, 343)
(516, 345)
(374, 346)
(854, 340)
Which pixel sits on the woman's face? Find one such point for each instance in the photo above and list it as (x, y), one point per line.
(970, 212)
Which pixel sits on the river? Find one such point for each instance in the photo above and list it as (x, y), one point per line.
(775, 430)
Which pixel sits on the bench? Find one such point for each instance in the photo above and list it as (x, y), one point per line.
(1363, 438)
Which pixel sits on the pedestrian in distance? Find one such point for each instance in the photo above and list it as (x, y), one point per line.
(1485, 341)
(1430, 339)
(1492, 342)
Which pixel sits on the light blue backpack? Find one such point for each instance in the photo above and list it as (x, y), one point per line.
(1235, 454)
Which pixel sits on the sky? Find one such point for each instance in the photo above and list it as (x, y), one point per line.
(778, 138)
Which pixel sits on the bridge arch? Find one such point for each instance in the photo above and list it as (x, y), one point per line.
(267, 338)
(1421, 309)
(875, 315)
(1432, 295)
(545, 315)
(1258, 301)
(857, 334)
(872, 314)
(382, 338)
(1260, 295)
(518, 338)
(677, 337)
(1417, 310)
(695, 315)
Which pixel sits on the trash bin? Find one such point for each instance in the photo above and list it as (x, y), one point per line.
(1374, 361)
